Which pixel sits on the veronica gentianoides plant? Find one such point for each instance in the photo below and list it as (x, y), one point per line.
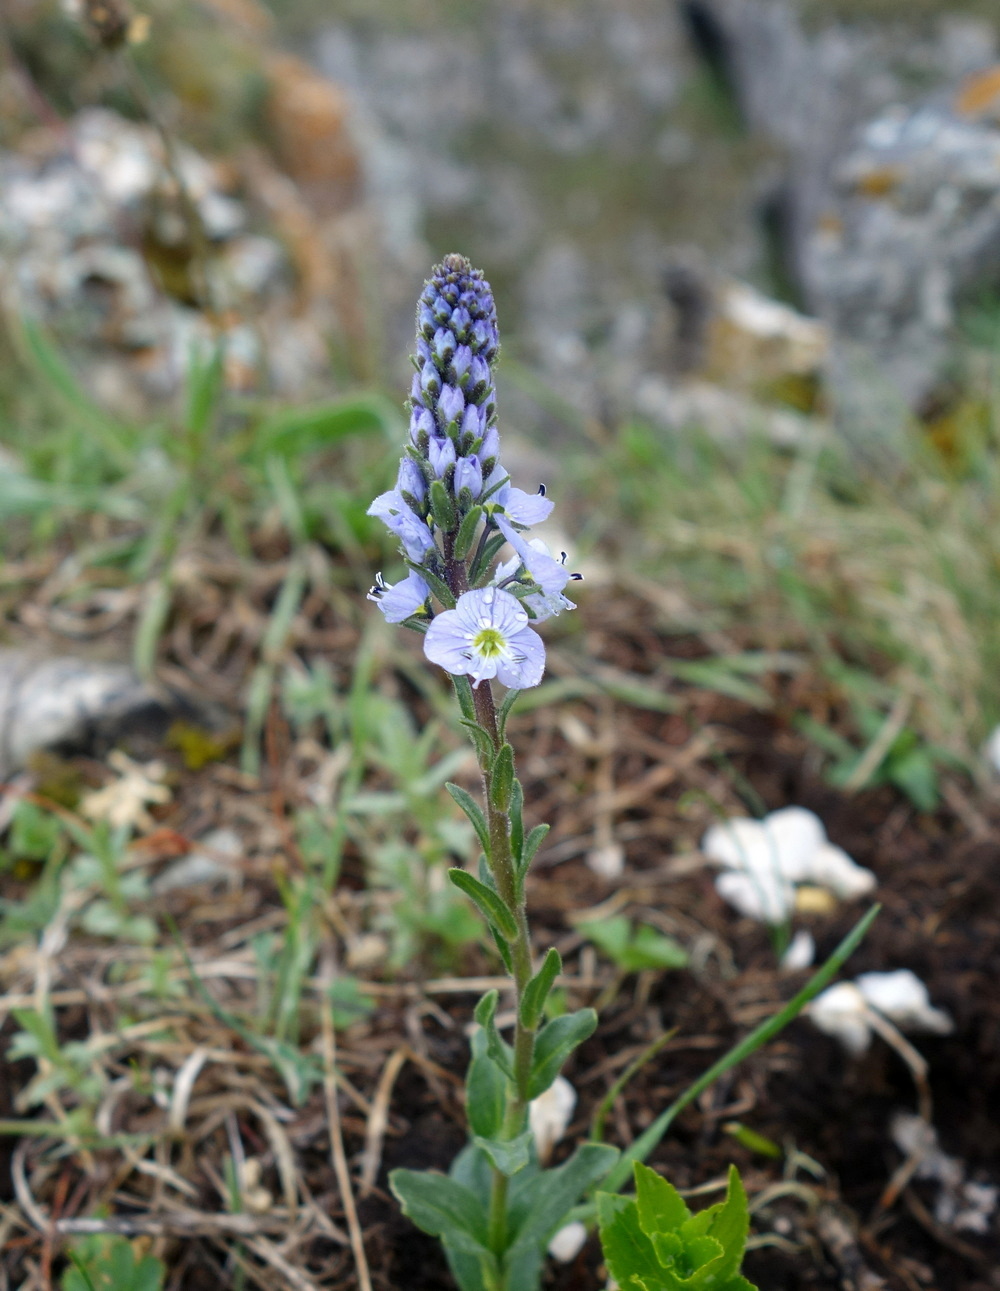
(454, 509)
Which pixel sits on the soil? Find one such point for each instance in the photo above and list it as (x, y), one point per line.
(668, 774)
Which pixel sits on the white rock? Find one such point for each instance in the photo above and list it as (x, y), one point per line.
(832, 868)
(549, 1115)
(992, 748)
(902, 997)
(783, 842)
(800, 953)
(763, 896)
(608, 862)
(842, 1011)
(765, 858)
(961, 1204)
(568, 1242)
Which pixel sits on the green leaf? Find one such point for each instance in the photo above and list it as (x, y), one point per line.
(437, 585)
(480, 737)
(466, 535)
(503, 711)
(490, 905)
(537, 990)
(499, 1051)
(531, 845)
(917, 776)
(295, 431)
(474, 812)
(444, 1208)
(502, 778)
(634, 950)
(541, 1206)
(556, 1041)
(466, 699)
(516, 813)
(485, 1090)
(484, 558)
(507, 1155)
(753, 1141)
(657, 1244)
(628, 1252)
(661, 1207)
(442, 507)
(730, 1226)
(504, 949)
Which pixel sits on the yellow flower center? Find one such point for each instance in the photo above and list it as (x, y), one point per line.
(488, 643)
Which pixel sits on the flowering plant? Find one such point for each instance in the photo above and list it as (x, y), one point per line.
(454, 509)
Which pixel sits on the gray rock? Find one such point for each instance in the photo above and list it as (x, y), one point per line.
(213, 860)
(66, 701)
(889, 200)
(77, 225)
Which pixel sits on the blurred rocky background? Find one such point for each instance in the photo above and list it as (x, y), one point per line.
(753, 214)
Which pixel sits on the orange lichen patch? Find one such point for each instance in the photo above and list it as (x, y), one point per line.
(879, 182)
(979, 94)
(308, 120)
(830, 223)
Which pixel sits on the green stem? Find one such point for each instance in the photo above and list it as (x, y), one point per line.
(498, 1213)
(504, 871)
(505, 876)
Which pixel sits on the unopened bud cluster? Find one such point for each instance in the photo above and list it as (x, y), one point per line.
(454, 507)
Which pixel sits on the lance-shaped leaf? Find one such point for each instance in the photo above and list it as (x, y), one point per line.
(466, 699)
(485, 1090)
(502, 778)
(491, 905)
(556, 1041)
(507, 1155)
(516, 814)
(541, 1206)
(442, 507)
(498, 1049)
(537, 990)
(481, 738)
(531, 845)
(503, 710)
(467, 532)
(437, 585)
(444, 1208)
(474, 812)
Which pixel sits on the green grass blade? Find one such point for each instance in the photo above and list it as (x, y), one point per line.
(646, 1142)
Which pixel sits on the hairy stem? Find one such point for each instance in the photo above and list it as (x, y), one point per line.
(504, 871)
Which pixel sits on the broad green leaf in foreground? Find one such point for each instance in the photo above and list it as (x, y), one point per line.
(654, 1243)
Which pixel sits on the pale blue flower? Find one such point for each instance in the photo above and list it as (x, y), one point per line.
(468, 475)
(440, 454)
(487, 635)
(411, 479)
(547, 601)
(523, 508)
(399, 601)
(451, 405)
(412, 532)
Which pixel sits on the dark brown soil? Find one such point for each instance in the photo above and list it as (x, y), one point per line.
(666, 776)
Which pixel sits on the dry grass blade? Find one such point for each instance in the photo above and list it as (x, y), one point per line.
(179, 1223)
(338, 1157)
(266, 1251)
(378, 1121)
